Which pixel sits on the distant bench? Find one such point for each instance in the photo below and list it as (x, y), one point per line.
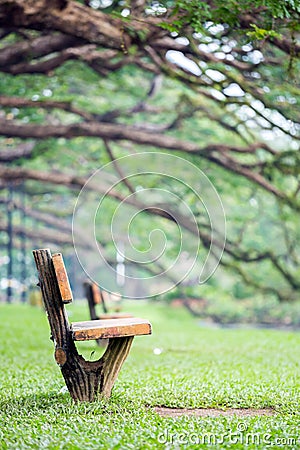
(84, 379)
(96, 296)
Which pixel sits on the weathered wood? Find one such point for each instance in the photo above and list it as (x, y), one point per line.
(60, 356)
(120, 315)
(96, 294)
(113, 358)
(85, 379)
(56, 313)
(62, 278)
(87, 285)
(89, 293)
(110, 328)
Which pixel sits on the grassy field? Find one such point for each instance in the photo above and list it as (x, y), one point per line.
(194, 367)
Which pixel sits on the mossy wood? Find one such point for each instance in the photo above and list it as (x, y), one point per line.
(85, 379)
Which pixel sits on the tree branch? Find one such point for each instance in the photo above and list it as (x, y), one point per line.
(20, 52)
(20, 102)
(23, 150)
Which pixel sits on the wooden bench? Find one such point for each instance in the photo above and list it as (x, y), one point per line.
(84, 379)
(96, 296)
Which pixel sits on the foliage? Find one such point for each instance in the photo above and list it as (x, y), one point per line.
(251, 311)
(198, 367)
(236, 308)
(196, 14)
(222, 92)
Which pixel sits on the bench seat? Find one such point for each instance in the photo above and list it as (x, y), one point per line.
(109, 328)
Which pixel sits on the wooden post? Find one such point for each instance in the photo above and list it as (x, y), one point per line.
(89, 289)
(89, 295)
(84, 379)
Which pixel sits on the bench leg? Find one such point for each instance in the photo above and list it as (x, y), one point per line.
(113, 359)
(86, 380)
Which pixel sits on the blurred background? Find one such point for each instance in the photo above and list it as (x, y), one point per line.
(217, 86)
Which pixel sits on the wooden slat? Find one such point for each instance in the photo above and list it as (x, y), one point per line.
(96, 294)
(62, 278)
(109, 328)
(114, 316)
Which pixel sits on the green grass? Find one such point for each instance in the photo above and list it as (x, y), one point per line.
(197, 367)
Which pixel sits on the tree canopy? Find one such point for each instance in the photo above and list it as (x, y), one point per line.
(217, 83)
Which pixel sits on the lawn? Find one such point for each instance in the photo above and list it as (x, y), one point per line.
(182, 365)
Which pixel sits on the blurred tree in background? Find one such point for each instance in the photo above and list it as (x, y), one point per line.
(215, 82)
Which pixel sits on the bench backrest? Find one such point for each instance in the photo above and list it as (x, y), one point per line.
(56, 291)
(62, 278)
(97, 294)
(94, 296)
